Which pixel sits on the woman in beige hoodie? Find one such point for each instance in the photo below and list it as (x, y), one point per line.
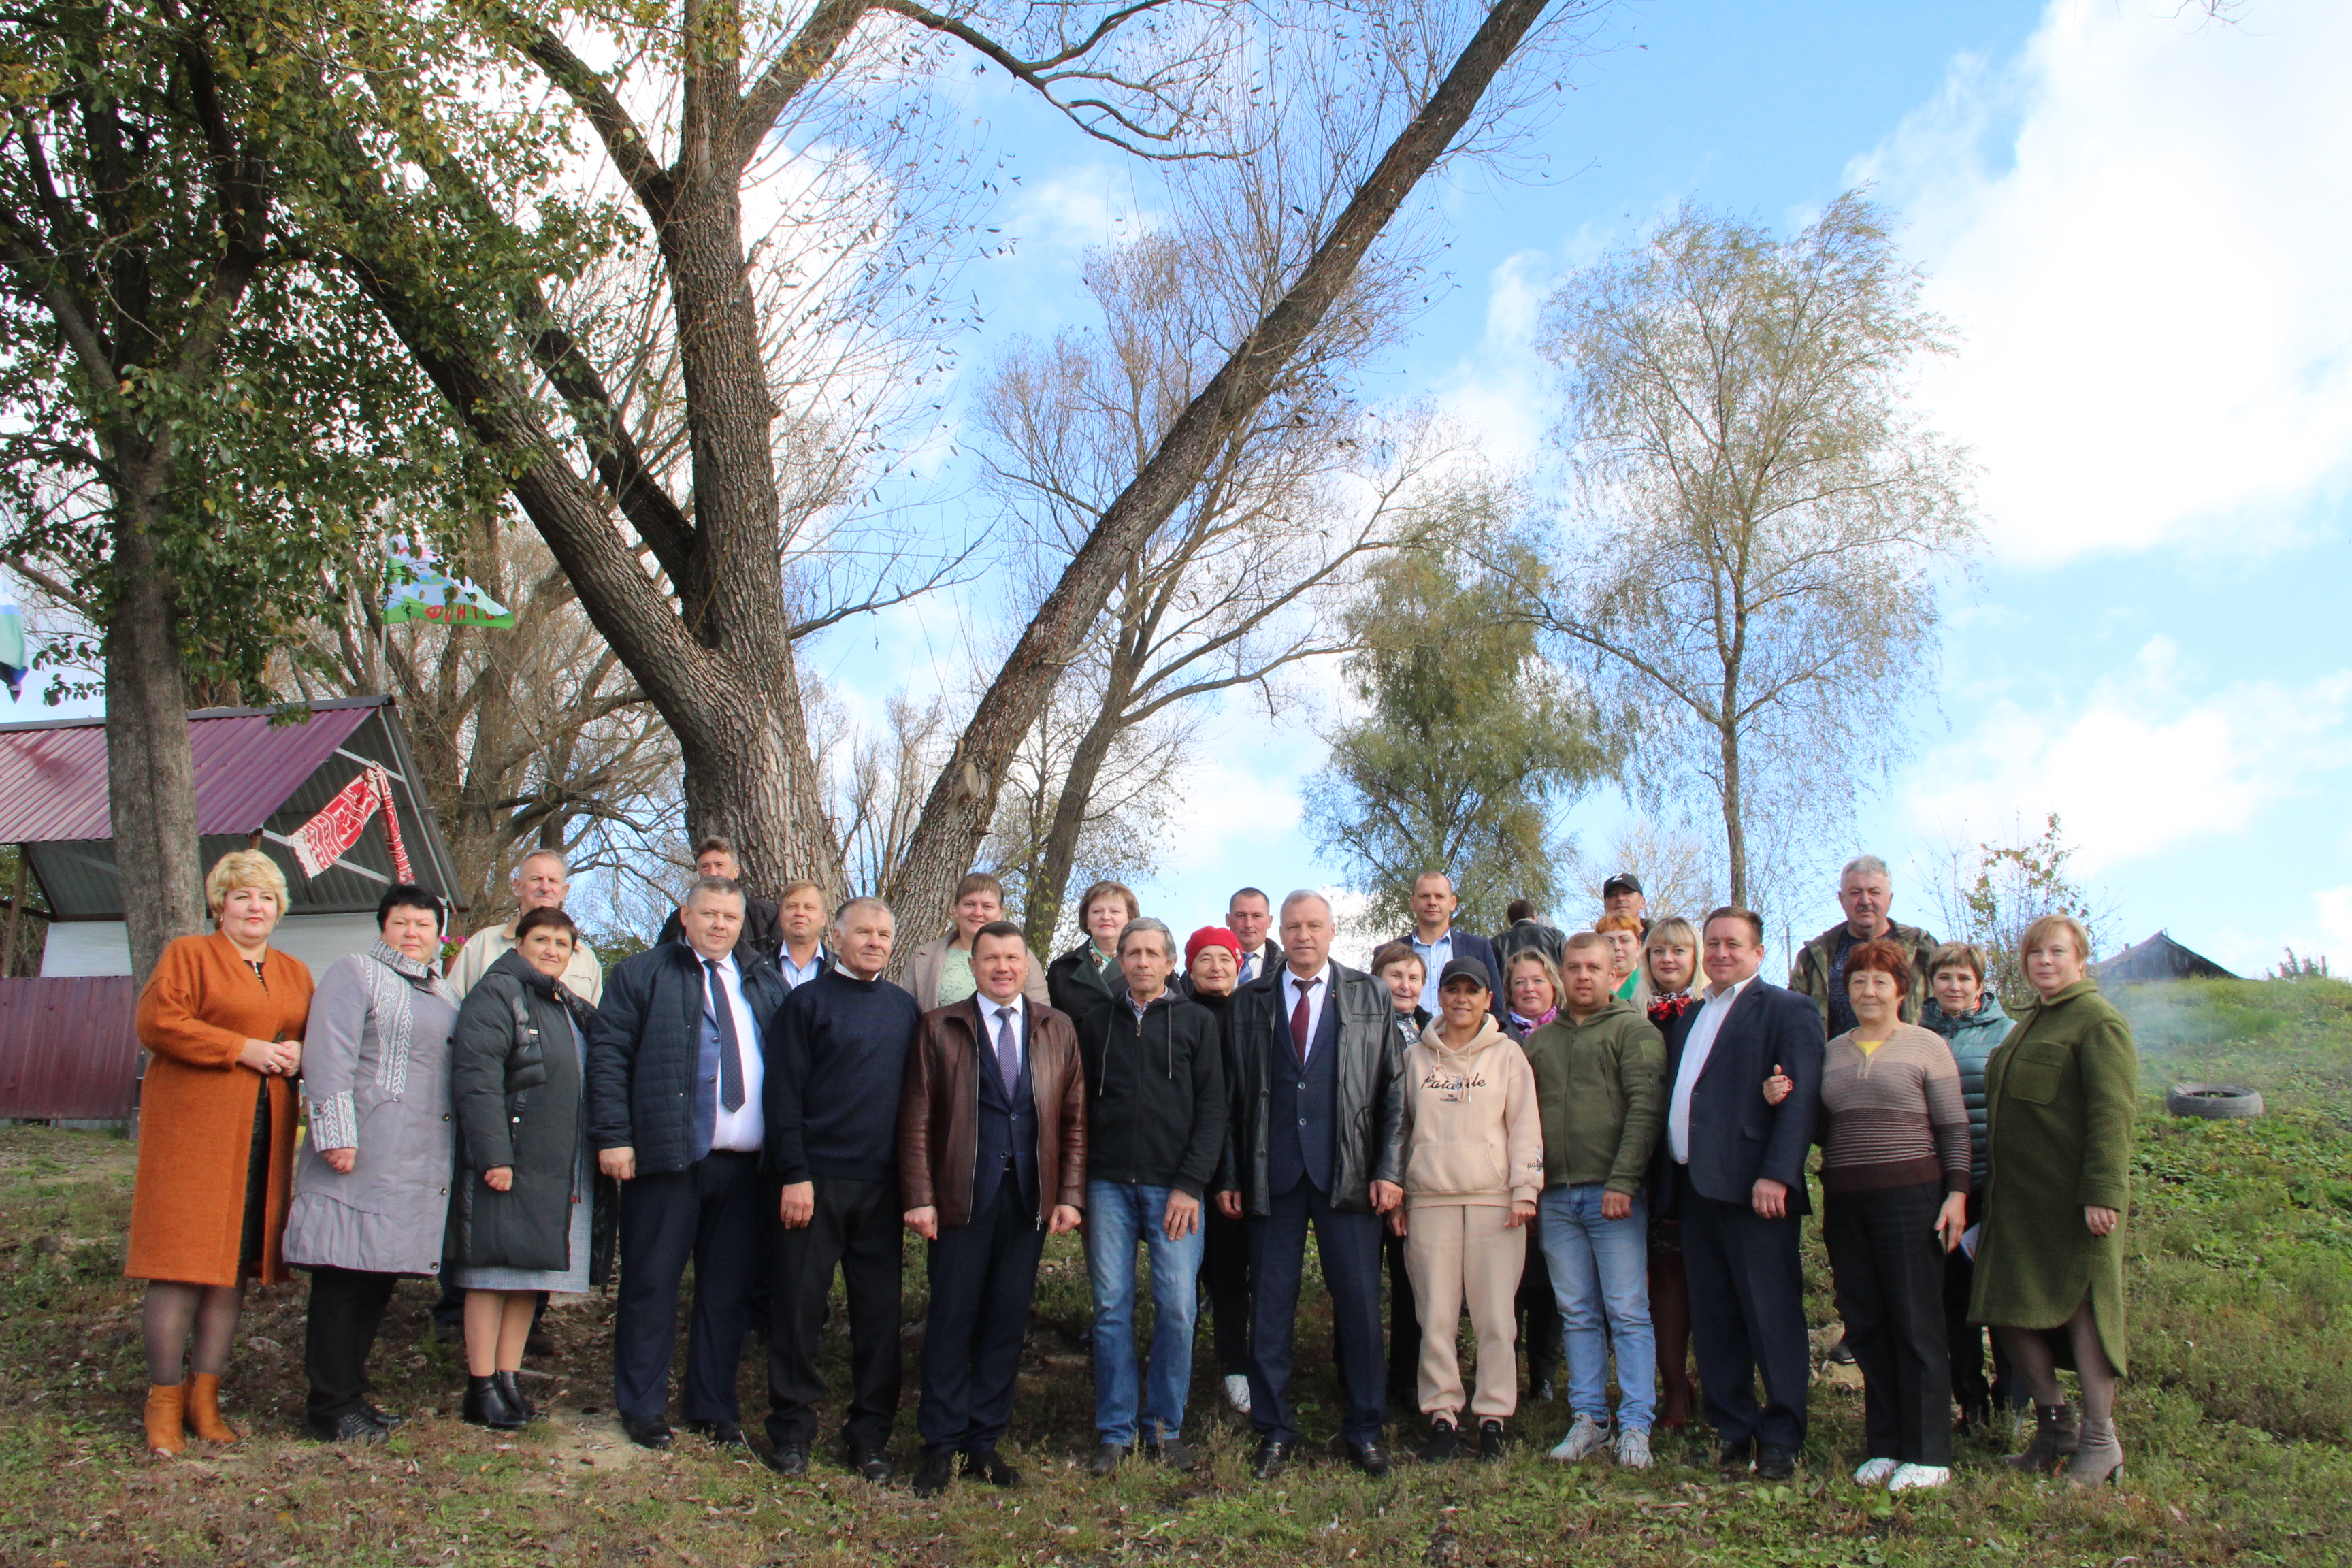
(1471, 1146)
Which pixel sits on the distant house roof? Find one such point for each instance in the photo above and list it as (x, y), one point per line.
(2160, 958)
(253, 777)
(53, 774)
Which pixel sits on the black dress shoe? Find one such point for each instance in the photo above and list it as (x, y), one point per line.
(1443, 1446)
(515, 1396)
(721, 1432)
(1739, 1455)
(787, 1460)
(387, 1419)
(1369, 1457)
(648, 1432)
(932, 1476)
(987, 1465)
(351, 1428)
(1493, 1442)
(871, 1464)
(1107, 1457)
(486, 1405)
(1174, 1453)
(1775, 1464)
(1271, 1461)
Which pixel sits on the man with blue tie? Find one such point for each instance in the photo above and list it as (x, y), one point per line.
(1734, 1170)
(991, 1157)
(1316, 1100)
(1249, 915)
(676, 1065)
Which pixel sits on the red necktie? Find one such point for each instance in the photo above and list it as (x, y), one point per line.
(1298, 1017)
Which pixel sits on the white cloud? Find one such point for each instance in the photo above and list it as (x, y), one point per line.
(2137, 766)
(2143, 228)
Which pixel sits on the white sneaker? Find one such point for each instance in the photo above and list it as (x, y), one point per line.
(1910, 1476)
(1237, 1392)
(1633, 1447)
(1875, 1472)
(1585, 1436)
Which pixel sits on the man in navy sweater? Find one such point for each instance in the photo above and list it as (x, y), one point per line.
(832, 1152)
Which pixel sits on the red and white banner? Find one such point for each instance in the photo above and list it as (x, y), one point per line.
(328, 837)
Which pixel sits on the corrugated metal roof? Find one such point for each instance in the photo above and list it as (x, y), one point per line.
(67, 1049)
(53, 776)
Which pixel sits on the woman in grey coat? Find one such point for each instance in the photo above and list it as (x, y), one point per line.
(526, 1211)
(372, 1188)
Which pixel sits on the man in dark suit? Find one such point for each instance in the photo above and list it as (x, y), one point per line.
(761, 932)
(1735, 1167)
(1436, 941)
(676, 1065)
(991, 1158)
(1249, 915)
(1316, 1100)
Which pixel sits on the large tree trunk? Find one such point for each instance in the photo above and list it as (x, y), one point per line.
(150, 782)
(956, 818)
(1041, 913)
(1735, 838)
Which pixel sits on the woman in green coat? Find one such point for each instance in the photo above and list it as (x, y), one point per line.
(2059, 1094)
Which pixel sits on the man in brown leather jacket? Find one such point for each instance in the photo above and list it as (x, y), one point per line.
(991, 1157)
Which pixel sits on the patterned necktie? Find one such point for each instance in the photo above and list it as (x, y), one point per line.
(1008, 1050)
(1299, 1015)
(731, 1053)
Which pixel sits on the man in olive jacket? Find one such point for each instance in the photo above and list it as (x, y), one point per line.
(991, 1156)
(1316, 1101)
(1864, 893)
(1599, 1068)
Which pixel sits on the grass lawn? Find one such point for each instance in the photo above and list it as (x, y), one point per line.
(2236, 1421)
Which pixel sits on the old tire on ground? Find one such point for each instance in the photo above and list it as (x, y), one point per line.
(2214, 1101)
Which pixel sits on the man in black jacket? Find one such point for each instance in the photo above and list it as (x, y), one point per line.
(762, 934)
(1314, 1102)
(832, 1157)
(1156, 1133)
(1735, 1167)
(675, 1067)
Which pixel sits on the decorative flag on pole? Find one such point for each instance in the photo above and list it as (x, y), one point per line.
(328, 837)
(421, 591)
(13, 660)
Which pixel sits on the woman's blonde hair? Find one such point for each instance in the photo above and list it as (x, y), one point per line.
(2036, 933)
(1676, 931)
(244, 868)
(1542, 961)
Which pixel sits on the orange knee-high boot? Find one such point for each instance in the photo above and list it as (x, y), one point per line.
(165, 1403)
(204, 1410)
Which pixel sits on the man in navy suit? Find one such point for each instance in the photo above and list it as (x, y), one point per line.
(1436, 941)
(1736, 1168)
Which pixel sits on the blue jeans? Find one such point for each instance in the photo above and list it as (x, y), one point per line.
(1119, 1215)
(1599, 1273)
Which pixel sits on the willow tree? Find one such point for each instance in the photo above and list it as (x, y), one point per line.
(194, 418)
(1762, 524)
(679, 564)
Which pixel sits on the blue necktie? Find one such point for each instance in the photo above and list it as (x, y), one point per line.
(730, 1054)
(1008, 1050)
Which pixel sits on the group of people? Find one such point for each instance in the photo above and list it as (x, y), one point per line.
(1602, 1135)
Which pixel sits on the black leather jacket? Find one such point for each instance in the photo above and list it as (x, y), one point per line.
(1368, 1086)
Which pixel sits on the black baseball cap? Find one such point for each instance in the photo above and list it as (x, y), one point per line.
(1622, 882)
(1468, 969)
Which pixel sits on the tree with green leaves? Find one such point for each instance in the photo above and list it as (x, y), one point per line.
(1761, 522)
(1469, 747)
(198, 417)
(1992, 894)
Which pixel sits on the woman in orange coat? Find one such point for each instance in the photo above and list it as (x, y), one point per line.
(222, 1015)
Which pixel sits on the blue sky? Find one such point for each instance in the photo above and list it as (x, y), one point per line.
(2142, 226)
(2137, 221)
